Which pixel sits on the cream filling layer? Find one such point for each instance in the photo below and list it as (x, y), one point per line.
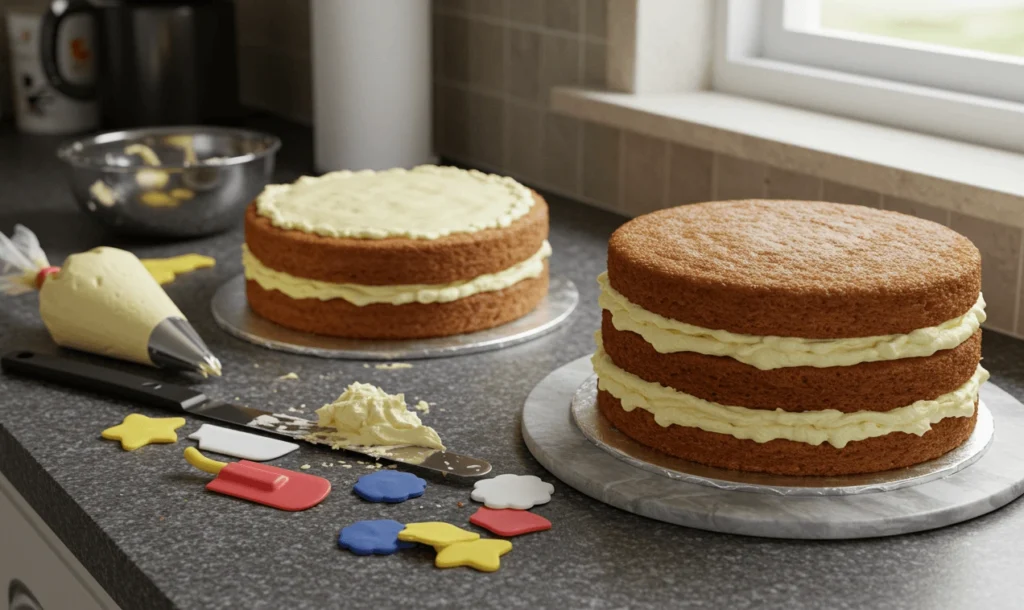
(770, 352)
(670, 406)
(360, 294)
(426, 202)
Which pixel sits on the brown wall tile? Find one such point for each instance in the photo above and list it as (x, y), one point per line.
(784, 184)
(596, 18)
(522, 80)
(252, 21)
(690, 173)
(289, 26)
(488, 8)
(738, 178)
(560, 63)
(563, 15)
(595, 62)
(601, 163)
(644, 173)
(486, 130)
(455, 48)
(487, 55)
(561, 153)
(842, 193)
(1000, 263)
(450, 5)
(915, 208)
(529, 12)
(455, 116)
(524, 128)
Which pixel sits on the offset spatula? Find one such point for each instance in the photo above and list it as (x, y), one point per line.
(180, 399)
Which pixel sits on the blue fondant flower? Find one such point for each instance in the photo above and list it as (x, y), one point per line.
(389, 486)
(373, 537)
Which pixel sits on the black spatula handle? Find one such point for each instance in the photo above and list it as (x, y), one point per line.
(103, 380)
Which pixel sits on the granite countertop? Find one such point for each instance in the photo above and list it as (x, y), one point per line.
(143, 525)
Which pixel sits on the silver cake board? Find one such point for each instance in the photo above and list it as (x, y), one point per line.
(994, 480)
(232, 313)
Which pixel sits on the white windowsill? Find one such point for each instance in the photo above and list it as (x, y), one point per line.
(975, 180)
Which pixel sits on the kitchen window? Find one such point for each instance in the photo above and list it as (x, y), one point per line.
(953, 68)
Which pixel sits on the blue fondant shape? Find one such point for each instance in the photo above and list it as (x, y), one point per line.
(373, 537)
(389, 486)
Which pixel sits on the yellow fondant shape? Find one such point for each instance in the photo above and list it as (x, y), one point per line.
(138, 431)
(164, 270)
(483, 555)
(435, 533)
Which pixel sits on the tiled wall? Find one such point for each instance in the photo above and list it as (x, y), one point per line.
(273, 57)
(497, 59)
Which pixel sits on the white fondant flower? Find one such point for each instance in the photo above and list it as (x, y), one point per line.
(521, 492)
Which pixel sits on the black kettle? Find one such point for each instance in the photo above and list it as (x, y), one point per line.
(159, 62)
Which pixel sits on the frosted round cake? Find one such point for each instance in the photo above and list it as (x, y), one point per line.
(397, 254)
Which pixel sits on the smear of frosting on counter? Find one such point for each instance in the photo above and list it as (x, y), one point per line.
(164, 270)
(391, 366)
(366, 415)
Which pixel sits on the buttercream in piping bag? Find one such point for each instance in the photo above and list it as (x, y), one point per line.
(104, 301)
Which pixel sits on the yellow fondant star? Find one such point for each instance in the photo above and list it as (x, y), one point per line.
(164, 270)
(482, 555)
(138, 431)
(436, 534)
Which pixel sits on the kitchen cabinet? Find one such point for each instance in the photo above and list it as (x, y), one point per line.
(37, 572)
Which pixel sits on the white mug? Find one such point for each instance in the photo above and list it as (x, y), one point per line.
(53, 70)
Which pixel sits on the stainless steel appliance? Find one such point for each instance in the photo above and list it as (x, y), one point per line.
(162, 62)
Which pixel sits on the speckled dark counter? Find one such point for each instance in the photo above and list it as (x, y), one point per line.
(144, 526)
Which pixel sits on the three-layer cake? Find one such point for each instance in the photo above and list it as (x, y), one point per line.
(791, 337)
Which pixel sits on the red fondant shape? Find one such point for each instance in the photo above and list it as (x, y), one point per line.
(270, 486)
(509, 522)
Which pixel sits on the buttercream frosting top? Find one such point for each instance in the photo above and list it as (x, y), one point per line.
(365, 415)
(426, 202)
(106, 302)
(670, 406)
(669, 336)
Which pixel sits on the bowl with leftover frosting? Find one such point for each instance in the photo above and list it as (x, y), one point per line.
(169, 181)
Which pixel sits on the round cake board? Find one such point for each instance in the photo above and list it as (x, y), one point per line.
(993, 481)
(232, 313)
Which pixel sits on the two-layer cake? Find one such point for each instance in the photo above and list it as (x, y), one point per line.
(398, 254)
(791, 337)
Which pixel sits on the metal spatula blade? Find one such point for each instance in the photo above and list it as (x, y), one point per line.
(305, 430)
(179, 399)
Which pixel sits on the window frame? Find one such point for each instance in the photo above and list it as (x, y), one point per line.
(756, 56)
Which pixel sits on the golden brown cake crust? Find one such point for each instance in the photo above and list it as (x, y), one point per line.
(795, 268)
(895, 450)
(869, 386)
(340, 318)
(383, 262)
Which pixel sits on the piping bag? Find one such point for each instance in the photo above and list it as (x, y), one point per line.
(106, 302)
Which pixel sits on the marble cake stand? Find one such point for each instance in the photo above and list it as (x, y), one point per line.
(991, 482)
